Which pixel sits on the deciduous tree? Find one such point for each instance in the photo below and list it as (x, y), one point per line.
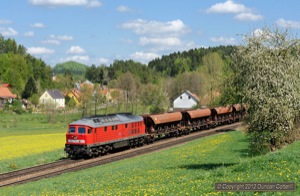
(269, 68)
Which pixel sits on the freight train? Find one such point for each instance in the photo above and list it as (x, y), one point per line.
(98, 135)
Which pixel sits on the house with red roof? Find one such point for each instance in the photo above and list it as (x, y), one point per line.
(6, 85)
(6, 95)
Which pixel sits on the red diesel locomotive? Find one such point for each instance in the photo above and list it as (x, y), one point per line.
(97, 135)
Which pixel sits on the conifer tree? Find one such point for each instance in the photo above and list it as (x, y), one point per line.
(30, 88)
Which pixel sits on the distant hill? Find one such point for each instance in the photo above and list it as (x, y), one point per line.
(73, 67)
(180, 62)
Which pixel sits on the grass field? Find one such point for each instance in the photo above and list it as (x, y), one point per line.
(189, 169)
(28, 139)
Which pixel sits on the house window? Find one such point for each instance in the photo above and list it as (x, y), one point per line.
(189, 97)
(180, 97)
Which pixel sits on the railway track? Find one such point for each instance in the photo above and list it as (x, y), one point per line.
(69, 165)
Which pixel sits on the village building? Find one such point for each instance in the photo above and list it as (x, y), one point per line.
(75, 95)
(6, 95)
(53, 96)
(186, 100)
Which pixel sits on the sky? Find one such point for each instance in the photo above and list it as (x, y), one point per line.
(101, 31)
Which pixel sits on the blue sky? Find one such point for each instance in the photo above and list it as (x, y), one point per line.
(101, 31)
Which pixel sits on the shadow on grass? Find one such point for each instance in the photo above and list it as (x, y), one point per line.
(224, 130)
(208, 166)
(245, 152)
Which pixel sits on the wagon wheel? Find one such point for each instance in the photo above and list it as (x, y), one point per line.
(131, 144)
(166, 128)
(100, 150)
(141, 141)
(159, 129)
(107, 149)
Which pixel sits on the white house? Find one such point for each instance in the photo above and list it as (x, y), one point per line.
(186, 100)
(53, 96)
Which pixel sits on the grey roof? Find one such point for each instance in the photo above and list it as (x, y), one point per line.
(108, 120)
(55, 94)
(190, 94)
(193, 95)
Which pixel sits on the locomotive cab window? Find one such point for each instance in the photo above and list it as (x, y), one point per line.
(89, 131)
(81, 130)
(71, 130)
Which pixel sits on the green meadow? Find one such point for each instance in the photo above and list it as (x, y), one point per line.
(29, 139)
(189, 169)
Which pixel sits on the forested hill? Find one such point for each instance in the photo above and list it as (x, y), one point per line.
(180, 62)
(72, 67)
(171, 65)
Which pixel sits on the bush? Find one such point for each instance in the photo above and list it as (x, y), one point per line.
(17, 107)
(156, 110)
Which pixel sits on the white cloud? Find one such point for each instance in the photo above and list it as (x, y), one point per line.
(5, 21)
(38, 25)
(94, 3)
(51, 41)
(242, 12)
(104, 61)
(288, 23)
(159, 36)
(75, 50)
(78, 58)
(62, 37)
(144, 57)
(39, 50)
(248, 17)
(55, 3)
(8, 31)
(123, 8)
(169, 41)
(224, 40)
(227, 7)
(29, 34)
(141, 26)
